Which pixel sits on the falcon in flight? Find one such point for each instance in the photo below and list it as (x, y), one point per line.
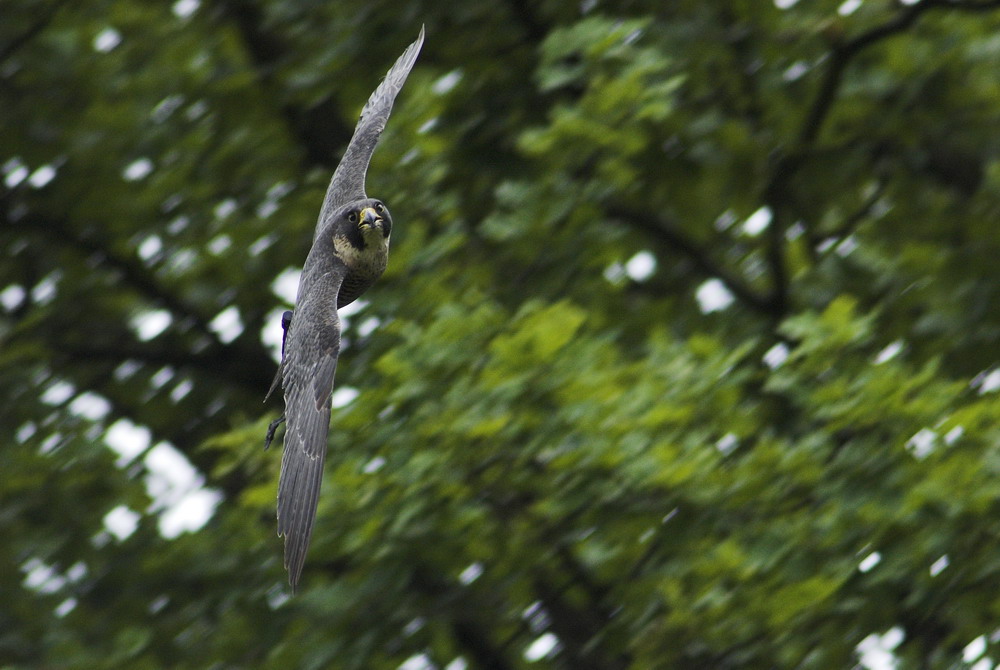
(349, 252)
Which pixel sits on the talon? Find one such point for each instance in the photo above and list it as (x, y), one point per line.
(270, 430)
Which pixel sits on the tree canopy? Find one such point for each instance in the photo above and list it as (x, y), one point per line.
(686, 355)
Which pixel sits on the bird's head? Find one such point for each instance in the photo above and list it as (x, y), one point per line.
(365, 222)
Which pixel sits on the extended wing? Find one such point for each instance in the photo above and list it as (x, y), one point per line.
(308, 373)
(348, 182)
(313, 339)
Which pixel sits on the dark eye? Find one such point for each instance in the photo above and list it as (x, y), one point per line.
(379, 208)
(353, 217)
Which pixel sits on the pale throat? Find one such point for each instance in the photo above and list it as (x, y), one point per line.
(370, 260)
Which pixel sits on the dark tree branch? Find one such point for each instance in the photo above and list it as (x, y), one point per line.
(474, 640)
(673, 239)
(839, 58)
(775, 192)
(31, 33)
(861, 213)
(597, 594)
(236, 362)
(776, 261)
(185, 436)
(578, 628)
(842, 54)
(523, 13)
(777, 197)
(59, 232)
(318, 130)
(470, 635)
(231, 367)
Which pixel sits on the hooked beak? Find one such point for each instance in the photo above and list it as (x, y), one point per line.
(369, 217)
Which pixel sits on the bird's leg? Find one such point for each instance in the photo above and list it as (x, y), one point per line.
(273, 426)
(286, 320)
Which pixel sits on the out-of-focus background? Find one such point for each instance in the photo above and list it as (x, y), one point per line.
(686, 356)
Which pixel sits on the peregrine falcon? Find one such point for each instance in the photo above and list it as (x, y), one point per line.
(349, 252)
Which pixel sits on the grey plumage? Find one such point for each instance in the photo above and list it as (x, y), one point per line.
(348, 181)
(349, 252)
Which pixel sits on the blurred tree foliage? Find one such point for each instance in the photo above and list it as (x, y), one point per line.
(686, 356)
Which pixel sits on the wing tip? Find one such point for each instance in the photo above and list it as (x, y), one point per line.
(294, 561)
(408, 58)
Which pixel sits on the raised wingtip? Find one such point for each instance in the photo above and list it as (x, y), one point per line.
(414, 49)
